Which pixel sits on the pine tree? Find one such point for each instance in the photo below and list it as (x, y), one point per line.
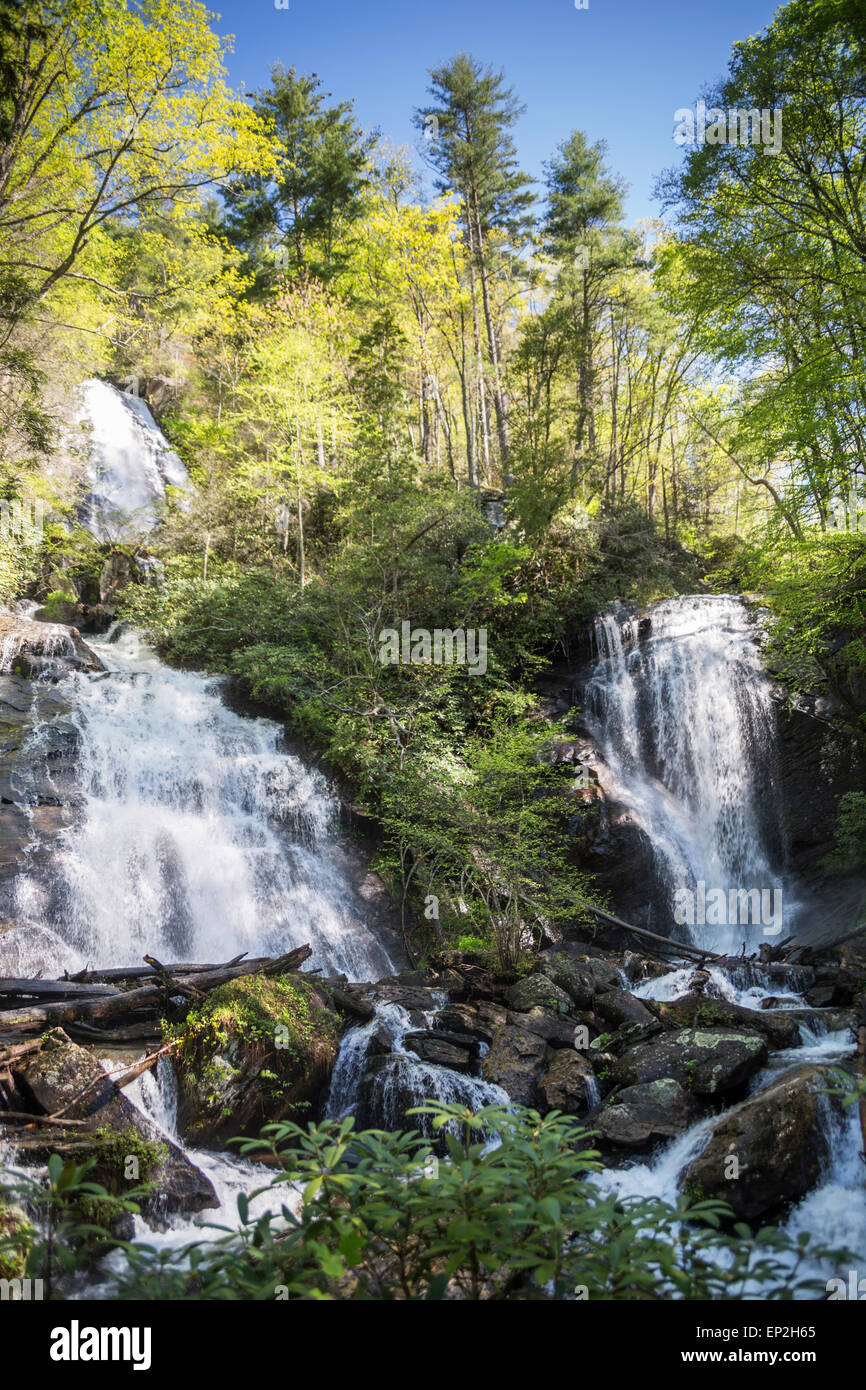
(468, 128)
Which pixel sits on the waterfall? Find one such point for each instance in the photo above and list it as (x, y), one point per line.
(129, 463)
(404, 1079)
(683, 719)
(197, 836)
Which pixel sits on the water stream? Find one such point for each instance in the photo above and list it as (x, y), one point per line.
(196, 835)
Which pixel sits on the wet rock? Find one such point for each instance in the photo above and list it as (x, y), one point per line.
(695, 1010)
(767, 1151)
(454, 1050)
(515, 1062)
(639, 1116)
(821, 997)
(413, 998)
(479, 1021)
(637, 968)
(617, 1007)
(538, 992)
(50, 650)
(822, 1021)
(568, 1084)
(706, 1062)
(64, 1076)
(558, 1032)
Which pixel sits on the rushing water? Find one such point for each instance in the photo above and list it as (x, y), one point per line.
(198, 837)
(129, 463)
(684, 723)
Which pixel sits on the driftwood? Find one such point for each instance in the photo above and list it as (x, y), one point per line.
(146, 998)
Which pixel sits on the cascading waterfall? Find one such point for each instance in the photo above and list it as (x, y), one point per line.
(405, 1077)
(684, 722)
(129, 463)
(198, 837)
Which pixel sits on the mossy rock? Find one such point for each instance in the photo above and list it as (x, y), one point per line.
(258, 1050)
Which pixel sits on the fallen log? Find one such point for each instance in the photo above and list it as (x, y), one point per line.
(52, 989)
(24, 1117)
(122, 973)
(147, 997)
(676, 947)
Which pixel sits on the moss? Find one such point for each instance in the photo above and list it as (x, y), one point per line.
(272, 1015)
(256, 1043)
(116, 1146)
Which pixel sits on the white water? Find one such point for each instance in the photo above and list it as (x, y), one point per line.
(405, 1075)
(685, 727)
(130, 463)
(199, 837)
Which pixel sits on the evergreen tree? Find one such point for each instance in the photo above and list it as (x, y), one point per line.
(292, 217)
(468, 125)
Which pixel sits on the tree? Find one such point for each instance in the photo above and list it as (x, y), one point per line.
(468, 126)
(583, 234)
(771, 265)
(293, 215)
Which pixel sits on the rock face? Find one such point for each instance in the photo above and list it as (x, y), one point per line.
(515, 1062)
(258, 1050)
(705, 1062)
(568, 1084)
(63, 1076)
(768, 1150)
(641, 1115)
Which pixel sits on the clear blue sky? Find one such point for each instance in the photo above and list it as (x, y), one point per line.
(617, 70)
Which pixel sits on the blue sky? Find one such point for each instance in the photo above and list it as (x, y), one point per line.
(617, 70)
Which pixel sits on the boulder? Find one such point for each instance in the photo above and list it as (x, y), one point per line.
(64, 1076)
(559, 1032)
(479, 1021)
(538, 992)
(696, 1011)
(641, 1115)
(579, 979)
(617, 1007)
(515, 1062)
(568, 1084)
(706, 1062)
(778, 1142)
(454, 1050)
(256, 1050)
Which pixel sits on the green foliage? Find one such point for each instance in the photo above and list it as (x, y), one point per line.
(60, 1218)
(512, 1212)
